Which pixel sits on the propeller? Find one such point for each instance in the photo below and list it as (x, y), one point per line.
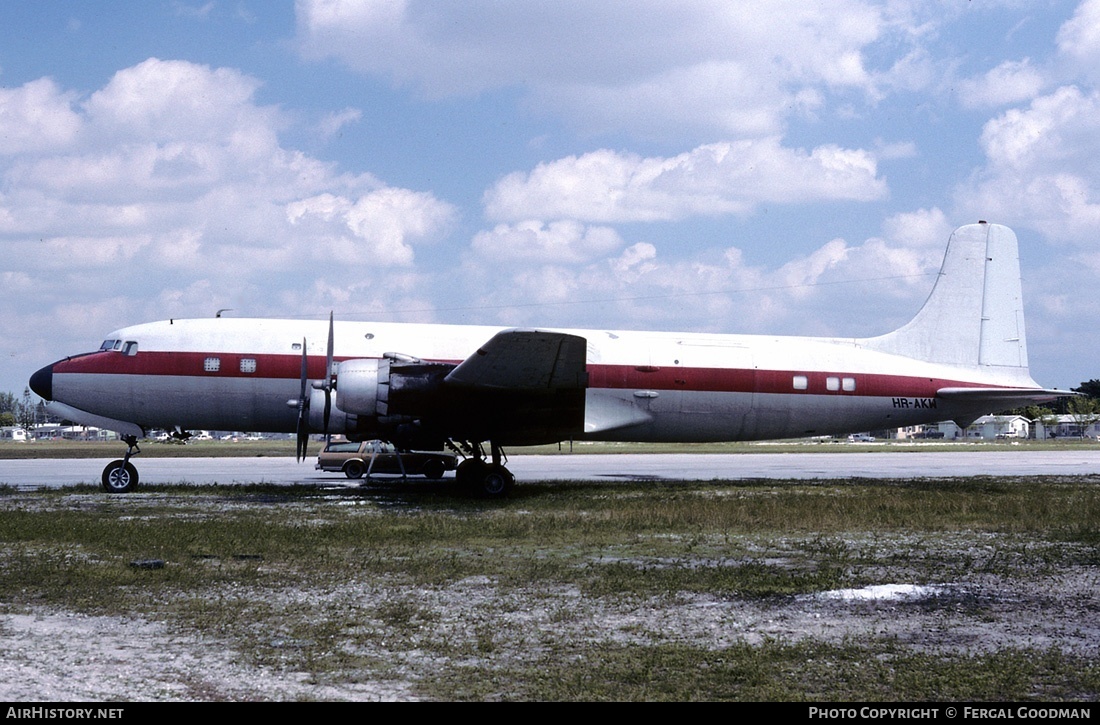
(303, 413)
(327, 385)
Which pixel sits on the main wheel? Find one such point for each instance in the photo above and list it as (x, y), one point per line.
(354, 469)
(119, 477)
(470, 472)
(497, 482)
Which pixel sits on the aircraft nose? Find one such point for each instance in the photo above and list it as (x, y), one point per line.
(42, 383)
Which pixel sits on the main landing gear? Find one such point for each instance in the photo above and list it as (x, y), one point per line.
(120, 476)
(490, 478)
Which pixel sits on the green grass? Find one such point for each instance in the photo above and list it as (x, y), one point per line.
(502, 597)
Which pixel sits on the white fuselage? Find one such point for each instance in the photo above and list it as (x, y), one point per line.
(240, 374)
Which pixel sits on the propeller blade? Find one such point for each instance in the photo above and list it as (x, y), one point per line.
(303, 423)
(328, 372)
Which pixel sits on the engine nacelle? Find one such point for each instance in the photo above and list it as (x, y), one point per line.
(363, 387)
(384, 398)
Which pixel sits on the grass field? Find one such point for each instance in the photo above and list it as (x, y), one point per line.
(567, 591)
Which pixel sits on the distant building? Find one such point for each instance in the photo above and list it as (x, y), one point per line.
(986, 428)
(13, 433)
(992, 427)
(1065, 426)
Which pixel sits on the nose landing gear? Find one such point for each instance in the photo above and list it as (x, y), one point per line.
(121, 476)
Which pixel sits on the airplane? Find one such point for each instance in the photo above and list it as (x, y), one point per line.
(427, 386)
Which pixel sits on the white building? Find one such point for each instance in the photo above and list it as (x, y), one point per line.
(13, 433)
(1066, 426)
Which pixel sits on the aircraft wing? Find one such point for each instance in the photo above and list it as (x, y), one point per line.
(525, 360)
(522, 387)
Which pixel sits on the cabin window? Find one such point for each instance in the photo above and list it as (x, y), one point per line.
(212, 364)
(848, 384)
(248, 364)
(832, 383)
(801, 382)
(130, 348)
(296, 346)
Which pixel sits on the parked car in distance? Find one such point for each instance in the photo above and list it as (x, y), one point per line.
(355, 459)
(861, 438)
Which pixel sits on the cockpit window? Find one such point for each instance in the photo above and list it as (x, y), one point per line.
(128, 347)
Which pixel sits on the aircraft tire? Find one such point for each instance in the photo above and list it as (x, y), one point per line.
(470, 472)
(497, 482)
(354, 469)
(119, 477)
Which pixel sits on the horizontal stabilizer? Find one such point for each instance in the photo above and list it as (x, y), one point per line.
(526, 360)
(1003, 395)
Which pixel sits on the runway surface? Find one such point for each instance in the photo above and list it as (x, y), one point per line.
(34, 474)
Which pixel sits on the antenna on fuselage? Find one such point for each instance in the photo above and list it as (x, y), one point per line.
(224, 309)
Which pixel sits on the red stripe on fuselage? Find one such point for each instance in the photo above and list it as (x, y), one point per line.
(733, 380)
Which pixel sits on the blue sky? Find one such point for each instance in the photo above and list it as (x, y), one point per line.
(758, 167)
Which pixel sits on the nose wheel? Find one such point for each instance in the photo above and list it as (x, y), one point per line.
(121, 476)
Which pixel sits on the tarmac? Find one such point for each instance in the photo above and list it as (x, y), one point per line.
(53, 473)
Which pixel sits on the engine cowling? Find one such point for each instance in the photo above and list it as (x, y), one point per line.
(363, 387)
(381, 398)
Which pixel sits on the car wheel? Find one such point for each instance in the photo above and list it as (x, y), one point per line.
(433, 468)
(354, 469)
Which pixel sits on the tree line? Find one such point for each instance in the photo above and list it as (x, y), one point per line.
(24, 412)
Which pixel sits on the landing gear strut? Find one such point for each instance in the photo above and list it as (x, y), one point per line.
(489, 478)
(120, 476)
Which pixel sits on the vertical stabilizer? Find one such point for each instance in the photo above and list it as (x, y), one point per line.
(974, 316)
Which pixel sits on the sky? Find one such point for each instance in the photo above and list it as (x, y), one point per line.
(764, 166)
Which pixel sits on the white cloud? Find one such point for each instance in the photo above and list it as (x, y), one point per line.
(716, 179)
(175, 100)
(822, 292)
(36, 117)
(1041, 169)
(561, 242)
(383, 224)
(333, 123)
(925, 228)
(1079, 38)
(737, 68)
(1009, 82)
(167, 193)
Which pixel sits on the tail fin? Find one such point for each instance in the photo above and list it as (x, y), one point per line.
(975, 314)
